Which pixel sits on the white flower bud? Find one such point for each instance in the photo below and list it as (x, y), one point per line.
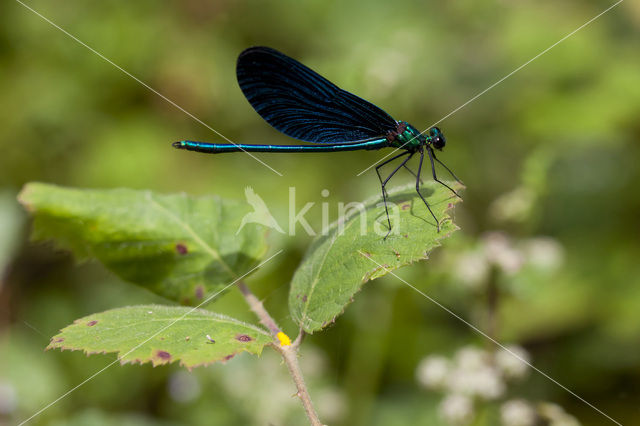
(472, 269)
(474, 375)
(517, 413)
(432, 371)
(512, 361)
(499, 251)
(471, 358)
(544, 253)
(457, 409)
(488, 383)
(556, 416)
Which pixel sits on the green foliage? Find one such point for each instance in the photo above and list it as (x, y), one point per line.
(161, 335)
(177, 246)
(352, 253)
(171, 243)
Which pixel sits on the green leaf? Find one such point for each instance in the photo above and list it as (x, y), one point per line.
(177, 246)
(161, 335)
(337, 264)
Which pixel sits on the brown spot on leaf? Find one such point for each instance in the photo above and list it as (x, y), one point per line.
(163, 355)
(366, 254)
(92, 323)
(181, 249)
(59, 340)
(243, 338)
(228, 357)
(397, 253)
(304, 298)
(199, 292)
(405, 235)
(405, 206)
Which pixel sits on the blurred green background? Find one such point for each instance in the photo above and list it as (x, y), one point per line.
(549, 157)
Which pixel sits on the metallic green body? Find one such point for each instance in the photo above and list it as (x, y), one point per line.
(408, 137)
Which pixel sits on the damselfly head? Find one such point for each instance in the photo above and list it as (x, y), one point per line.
(436, 138)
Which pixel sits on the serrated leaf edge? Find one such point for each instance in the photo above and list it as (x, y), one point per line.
(52, 344)
(304, 320)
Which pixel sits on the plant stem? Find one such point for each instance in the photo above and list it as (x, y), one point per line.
(258, 308)
(290, 356)
(289, 353)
